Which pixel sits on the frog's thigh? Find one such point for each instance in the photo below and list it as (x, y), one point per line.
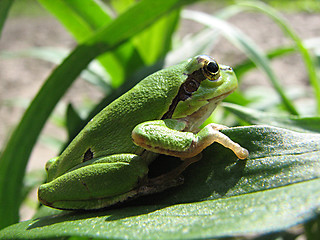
(97, 184)
(210, 134)
(164, 137)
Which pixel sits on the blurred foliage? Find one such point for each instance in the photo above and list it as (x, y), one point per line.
(295, 5)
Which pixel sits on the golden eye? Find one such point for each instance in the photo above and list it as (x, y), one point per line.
(212, 70)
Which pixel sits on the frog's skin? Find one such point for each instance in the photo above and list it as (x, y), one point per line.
(108, 160)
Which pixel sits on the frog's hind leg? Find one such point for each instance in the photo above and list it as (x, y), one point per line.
(167, 180)
(176, 172)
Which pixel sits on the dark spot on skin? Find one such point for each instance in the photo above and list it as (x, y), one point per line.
(85, 185)
(88, 155)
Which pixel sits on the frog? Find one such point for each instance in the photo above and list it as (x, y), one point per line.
(107, 163)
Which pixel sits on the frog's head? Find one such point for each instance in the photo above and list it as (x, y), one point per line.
(206, 85)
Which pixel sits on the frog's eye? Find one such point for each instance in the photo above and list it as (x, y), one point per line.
(212, 70)
(213, 67)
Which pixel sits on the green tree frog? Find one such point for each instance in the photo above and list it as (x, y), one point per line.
(108, 161)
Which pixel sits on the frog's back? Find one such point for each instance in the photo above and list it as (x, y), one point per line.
(149, 100)
(109, 132)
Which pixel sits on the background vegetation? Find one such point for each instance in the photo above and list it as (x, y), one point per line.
(275, 193)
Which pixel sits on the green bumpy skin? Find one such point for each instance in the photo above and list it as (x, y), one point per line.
(109, 132)
(90, 181)
(150, 134)
(108, 160)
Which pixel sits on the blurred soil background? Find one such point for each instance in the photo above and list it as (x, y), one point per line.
(31, 26)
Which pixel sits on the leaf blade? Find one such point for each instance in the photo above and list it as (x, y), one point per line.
(81, 19)
(309, 124)
(4, 10)
(278, 187)
(53, 89)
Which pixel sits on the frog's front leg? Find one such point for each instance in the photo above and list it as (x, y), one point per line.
(210, 134)
(166, 137)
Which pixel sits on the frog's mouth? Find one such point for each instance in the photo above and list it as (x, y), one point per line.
(196, 119)
(221, 96)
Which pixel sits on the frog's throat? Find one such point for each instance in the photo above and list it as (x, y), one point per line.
(222, 96)
(198, 117)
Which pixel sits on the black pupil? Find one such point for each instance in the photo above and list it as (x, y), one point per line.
(213, 67)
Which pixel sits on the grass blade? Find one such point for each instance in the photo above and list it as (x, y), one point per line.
(16, 153)
(4, 9)
(309, 63)
(274, 53)
(154, 42)
(296, 123)
(81, 18)
(245, 44)
(95, 74)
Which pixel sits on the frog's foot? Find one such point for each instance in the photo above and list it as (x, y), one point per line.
(211, 134)
(176, 172)
(217, 126)
(158, 185)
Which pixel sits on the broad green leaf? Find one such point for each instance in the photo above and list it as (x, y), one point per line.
(301, 124)
(276, 188)
(255, 213)
(244, 43)
(4, 9)
(15, 155)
